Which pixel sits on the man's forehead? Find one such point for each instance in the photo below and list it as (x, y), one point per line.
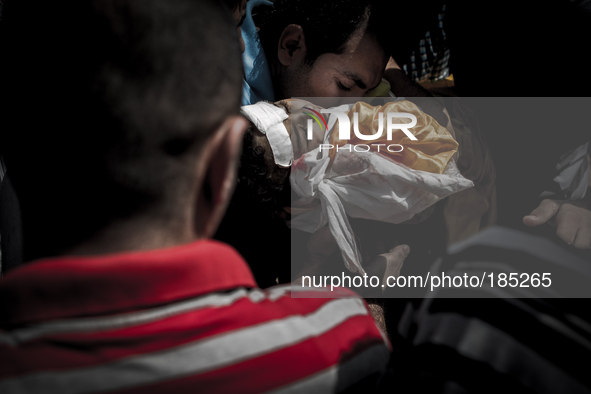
(362, 60)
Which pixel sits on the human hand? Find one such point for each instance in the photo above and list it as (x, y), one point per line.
(392, 64)
(573, 222)
(322, 245)
(389, 264)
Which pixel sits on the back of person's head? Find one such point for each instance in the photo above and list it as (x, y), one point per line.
(105, 107)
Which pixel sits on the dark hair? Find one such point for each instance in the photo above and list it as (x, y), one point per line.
(254, 223)
(260, 180)
(232, 4)
(328, 25)
(105, 105)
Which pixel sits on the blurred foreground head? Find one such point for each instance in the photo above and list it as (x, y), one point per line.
(120, 115)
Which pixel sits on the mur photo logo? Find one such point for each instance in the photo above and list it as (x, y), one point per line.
(344, 133)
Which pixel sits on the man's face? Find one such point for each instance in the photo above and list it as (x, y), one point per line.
(351, 74)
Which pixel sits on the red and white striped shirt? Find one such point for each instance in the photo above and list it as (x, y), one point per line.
(183, 319)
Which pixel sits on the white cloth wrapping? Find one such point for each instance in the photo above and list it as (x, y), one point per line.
(268, 119)
(364, 185)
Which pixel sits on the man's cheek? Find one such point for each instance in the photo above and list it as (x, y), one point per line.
(332, 91)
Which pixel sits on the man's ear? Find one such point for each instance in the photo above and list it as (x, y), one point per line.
(291, 45)
(217, 171)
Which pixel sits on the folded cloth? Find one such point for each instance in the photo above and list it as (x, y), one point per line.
(387, 186)
(573, 174)
(268, 119)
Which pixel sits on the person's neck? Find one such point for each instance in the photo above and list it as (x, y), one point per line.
(137, 235)
(277, 76)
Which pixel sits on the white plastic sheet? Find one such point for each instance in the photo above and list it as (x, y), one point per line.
(366, 185)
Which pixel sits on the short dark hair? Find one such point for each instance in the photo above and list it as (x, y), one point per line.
(232, 4)
(260, 180)
(328, 25)
(106, 103)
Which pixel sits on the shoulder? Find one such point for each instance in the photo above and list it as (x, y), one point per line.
(230, 339)
(316, 340)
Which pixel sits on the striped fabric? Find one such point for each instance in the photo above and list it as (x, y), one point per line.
(185, 319)
(430, 60)
(502, 344)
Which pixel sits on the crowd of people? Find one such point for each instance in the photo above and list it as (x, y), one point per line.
(160, 203)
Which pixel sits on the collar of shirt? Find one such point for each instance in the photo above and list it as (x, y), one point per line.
(86, 286)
